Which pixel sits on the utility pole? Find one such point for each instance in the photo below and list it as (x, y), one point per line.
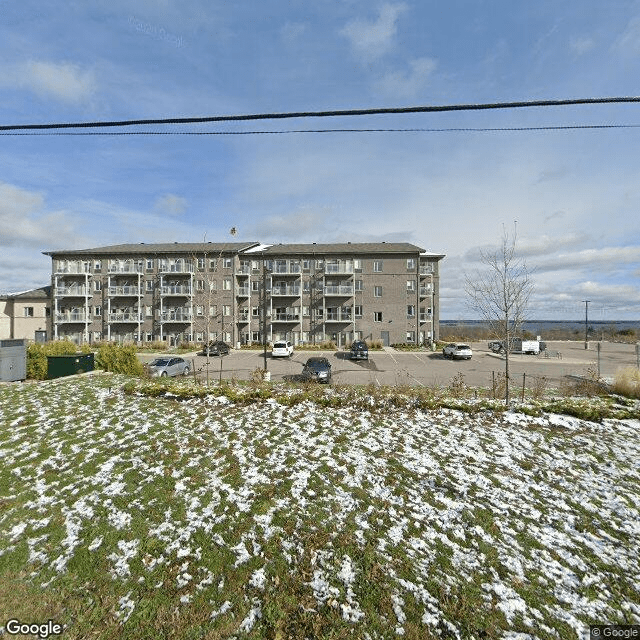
(586, 323)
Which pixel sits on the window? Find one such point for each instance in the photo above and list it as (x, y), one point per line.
(305, 311)
(318, 313)
(226, 284)
(226, 263)
(148, 285)
(200, 285)
(97, 285)
(200, 264)
(306, 264)
(377, 291)
(213, 285)
(227, 336)
(28, 312)
(411, 286)
(213, 310)
(97, 311)
(255, 312)
(149, 337)
(411, 264)
(411, 311)
(357, 311)
(97, 265)
(212, 264)
(226, 310)
(199, 311)
(319, 264)
(377, 316)
(411, 336)
(306, 286)
(377, 266)
(149, 311)
(255, 285)
(357, 265)
(255, 336)
(200, 336)
(358, 284)
(149, 266)
(47, 312)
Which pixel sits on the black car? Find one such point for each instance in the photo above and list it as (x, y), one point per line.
(318, 369)
(359, 350)
(216, 348)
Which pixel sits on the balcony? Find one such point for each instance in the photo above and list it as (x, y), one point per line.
(73, 269)
(125, 268)
(339, 290)
(243, 317)
(175, 316)
(338, 316)
(425, 291)
(185, 268)
(338, 268)
(125, 291)
(73, 316)
(175, 290)
(243, 270)
(285, 291)
(426, 269)
(288, 269)
(285, 317)
(71, 292)
(425, 317)
(128, 317)
(242, 292)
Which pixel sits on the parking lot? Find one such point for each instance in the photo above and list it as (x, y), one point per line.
(391, 367)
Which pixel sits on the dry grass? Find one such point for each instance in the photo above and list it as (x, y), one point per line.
(627, 383)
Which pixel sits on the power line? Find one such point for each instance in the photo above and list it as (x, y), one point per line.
(326, 114)
(292, 131)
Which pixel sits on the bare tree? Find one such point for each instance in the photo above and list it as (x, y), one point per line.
(500, 294)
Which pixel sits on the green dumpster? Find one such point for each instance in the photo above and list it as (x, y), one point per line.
(59, 366)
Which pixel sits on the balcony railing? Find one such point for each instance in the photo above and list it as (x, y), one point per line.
(176, 316)
(77, 316)
(176, 268)
(285, 317)
(286, 269)
(125, 268)
(426, 269)
(175, 290)
(337, 316)
(285, 291)
(243, 270)
(73, 269)
(339, 290)
(341, 268)
(125, 291)
(425, 291)
(125, 317)
(425, 317)
(243, 317)
(71, 291)
(242, 292)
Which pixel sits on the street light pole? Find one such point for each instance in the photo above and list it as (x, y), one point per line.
(586, 323)
(264, 312)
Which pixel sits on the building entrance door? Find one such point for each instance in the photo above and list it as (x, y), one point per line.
(384, 335)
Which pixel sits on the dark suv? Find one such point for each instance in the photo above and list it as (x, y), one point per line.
(359, 350)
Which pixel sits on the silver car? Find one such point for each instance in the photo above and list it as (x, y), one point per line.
(168, 366)
(457, 351)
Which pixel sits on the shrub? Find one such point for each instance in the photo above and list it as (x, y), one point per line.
(118, 358)
(37, 364)
(627, 383)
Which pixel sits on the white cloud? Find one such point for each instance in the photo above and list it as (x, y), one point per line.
(171, 205)
(605, 258)
(581, 45)
(409, 84)
(371, 40)
(628, 42)
(63, 81)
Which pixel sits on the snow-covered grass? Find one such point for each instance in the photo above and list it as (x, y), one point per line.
(127, 516)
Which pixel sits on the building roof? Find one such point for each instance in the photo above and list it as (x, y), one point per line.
(343, 248)
(32, 294)
(166, 247)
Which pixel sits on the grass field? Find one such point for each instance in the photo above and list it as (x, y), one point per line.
(126, 516)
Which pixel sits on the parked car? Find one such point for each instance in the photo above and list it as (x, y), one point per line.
(496, 346)
(359, 350)
(318, 369)
(163, 367)
(457, 351)
(282, 349)
(216, 348)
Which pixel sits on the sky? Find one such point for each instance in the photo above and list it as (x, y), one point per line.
(572, 195)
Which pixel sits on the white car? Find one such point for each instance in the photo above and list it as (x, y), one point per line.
(282, 349)
(457, 351)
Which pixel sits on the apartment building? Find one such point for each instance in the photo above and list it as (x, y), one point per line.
(26, 315)
(236, 291)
